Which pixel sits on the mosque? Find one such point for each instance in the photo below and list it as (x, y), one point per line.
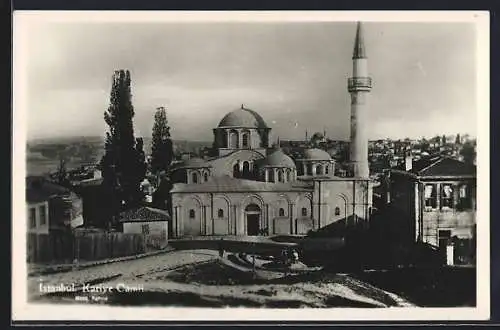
(251, 188)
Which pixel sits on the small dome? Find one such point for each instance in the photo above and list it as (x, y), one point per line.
(243, 118)
(316, 154)
(279, 159)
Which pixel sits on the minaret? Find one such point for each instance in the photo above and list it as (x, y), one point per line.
(359, 86)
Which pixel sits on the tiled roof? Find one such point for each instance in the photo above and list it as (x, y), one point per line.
(442, 166)
(230, 184)
(144, 214)
(38, 189)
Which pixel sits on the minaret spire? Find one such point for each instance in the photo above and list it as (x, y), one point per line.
(359, 43)
(359, 86)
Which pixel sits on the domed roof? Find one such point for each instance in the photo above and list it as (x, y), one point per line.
(243, 117)
(279, 159)
(316, 154)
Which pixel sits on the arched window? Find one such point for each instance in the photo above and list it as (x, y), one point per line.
(220, 213)
(246, 170)
(205, 176)
(271, 175)
(337, 210)
(304, 212)
(245, 140)
(194, 177)
(326, 169)
(280, 176)
(236, 170)
(319, 170)
(309, 169)
(191, 214)
(234, 140)
(288, 175)
(281, 212)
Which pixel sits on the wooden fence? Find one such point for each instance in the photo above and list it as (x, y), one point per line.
(67, 247)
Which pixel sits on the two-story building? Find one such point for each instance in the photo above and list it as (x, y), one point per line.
(50, 207)
(438, 195)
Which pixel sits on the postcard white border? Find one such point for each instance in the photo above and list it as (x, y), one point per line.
(22, 310)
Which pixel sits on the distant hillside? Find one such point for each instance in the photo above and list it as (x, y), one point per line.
(43, 154)
(94, 145)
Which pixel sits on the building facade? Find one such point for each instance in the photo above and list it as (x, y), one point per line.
(50, 207)
(253, 189)
(438, 195)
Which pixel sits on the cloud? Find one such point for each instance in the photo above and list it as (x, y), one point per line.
(289, 72)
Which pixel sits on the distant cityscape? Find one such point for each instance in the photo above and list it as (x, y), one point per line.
(82, 154)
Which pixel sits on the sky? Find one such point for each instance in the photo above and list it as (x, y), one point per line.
(293, 73)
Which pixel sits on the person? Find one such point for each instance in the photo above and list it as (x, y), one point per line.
(221, 247)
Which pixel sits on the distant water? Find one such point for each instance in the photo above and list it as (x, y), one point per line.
(44, 167)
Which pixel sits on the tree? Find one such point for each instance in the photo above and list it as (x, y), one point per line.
(468, 152)
(443, 140)
(457, 139)
(162, 147)
(122, 165)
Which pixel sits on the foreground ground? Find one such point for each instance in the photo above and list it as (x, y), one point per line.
(199, 278)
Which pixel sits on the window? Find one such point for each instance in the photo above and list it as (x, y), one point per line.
(319, 170)
(309, 169)
(465, 198)
(145, 229)
(281, 212)
(430, 196)
(246, 170)
(271, 175)
(447, 196)
(194, 178)
(326, 169)
(304, 212)
(288, 176)
(244, 140)
(236, 170)
(205, 176)
(337, 210)
(43, 215)
(234, 140)
(280, 176)
(191, 214)
(220, 213)
(32, 217)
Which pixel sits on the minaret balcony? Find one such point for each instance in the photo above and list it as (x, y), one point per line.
(359, 84)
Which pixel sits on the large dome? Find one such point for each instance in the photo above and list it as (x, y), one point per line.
(243, 117)
(316, 154)
(279, 159)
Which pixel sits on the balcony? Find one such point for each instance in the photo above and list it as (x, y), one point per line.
(359, 84)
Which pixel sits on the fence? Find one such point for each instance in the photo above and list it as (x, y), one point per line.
(65, 248)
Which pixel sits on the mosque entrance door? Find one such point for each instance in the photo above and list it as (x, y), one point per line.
(252, 213)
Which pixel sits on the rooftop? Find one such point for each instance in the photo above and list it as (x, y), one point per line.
(39, 189)
(243, 117)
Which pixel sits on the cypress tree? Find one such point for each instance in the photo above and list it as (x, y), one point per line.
(162, 147)
(123, 165)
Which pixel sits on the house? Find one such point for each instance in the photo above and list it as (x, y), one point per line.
(148, 221)
(51, 207)
(438, 195)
